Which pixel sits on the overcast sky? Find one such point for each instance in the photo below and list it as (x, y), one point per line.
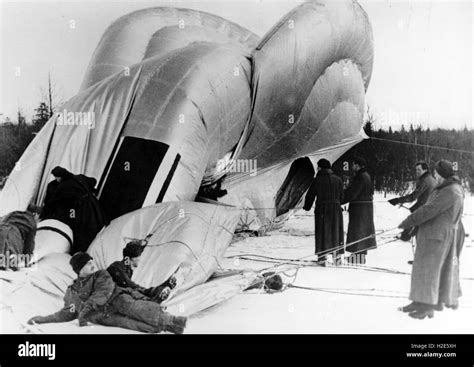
(423, 52)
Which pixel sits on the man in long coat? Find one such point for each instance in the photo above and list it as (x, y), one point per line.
(70, 199)
(425, 184)
(435, 275)
(94, 297)
(328, 226)
(360, 196)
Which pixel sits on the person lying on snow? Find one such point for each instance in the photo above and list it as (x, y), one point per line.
(122, 271)
(94, 297)
(17, 237)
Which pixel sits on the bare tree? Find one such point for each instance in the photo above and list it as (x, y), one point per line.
(51, 96)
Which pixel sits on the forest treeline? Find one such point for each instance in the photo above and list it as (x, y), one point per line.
(16, 135)
(391, 155)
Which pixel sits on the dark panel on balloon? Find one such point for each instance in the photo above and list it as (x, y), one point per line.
(131, 175)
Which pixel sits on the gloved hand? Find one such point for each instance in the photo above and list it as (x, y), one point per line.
(172, 282)
(394, 201)
(164, 294)
(35, 320)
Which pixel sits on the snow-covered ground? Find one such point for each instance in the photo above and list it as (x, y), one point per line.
(348, 300)
(339, 299)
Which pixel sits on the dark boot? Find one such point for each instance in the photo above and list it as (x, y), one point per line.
(357, 259)
(438, 307)
(424, 310)
(454, 306)
(414, 306)
(410, 262)
(420, 315)
(174, 324)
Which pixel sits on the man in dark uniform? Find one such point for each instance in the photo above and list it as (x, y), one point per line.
(71, 200)
(360, 196)
(94, 297)
(328, 232)
(122, 271)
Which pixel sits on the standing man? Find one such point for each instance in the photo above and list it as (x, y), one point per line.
(360, 196)
(328, 227)
(425, 184)
(435, 275)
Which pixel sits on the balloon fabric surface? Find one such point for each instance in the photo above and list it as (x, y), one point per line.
(176, 100)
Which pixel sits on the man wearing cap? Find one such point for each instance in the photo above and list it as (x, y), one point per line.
(425, 184)
(94, 297)
(361, 228)
(329, 232)
(435, 275)
(122, 272)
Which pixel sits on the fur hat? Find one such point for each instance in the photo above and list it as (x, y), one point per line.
(324, 163)
(444, 168)
(78, 261)
(361, 162)
(133, 249)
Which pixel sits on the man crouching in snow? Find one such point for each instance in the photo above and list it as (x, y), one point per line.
(122, 271)
(94, 297)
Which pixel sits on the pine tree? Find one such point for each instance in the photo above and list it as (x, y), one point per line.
(41, 116)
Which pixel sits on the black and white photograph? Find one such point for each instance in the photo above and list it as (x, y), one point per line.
(238, 167)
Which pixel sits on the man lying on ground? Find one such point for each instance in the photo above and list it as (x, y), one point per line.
(122, 271)
(94, 297)
(17, 237)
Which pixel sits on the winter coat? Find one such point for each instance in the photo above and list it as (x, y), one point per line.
(122, 274)
(17, 234)
(86, 296)
(328, 190)
(98, 299)
(424, 186)
(359, 195)
(435, 275)
(72, 202)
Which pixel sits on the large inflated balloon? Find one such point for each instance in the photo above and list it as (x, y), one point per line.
(173, 99)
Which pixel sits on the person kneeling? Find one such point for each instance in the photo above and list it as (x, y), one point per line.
(94, 297)
(122, 271)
